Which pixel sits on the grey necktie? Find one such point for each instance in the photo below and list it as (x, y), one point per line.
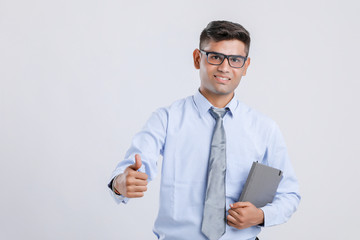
(213, 224)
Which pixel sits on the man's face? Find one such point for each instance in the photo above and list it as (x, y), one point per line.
(218, 81)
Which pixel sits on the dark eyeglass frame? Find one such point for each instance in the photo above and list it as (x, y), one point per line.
(225, 56)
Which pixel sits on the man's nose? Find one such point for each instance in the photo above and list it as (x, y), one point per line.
(224, 66)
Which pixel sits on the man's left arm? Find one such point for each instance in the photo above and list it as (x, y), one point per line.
(287, 198)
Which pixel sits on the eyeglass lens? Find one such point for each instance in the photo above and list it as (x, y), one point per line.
(217, 59)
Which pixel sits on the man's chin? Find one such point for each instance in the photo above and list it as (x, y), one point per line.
(223, 92)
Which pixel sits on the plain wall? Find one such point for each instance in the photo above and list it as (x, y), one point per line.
(79, 78)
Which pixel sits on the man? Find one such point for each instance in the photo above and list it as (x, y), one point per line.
(208, 142)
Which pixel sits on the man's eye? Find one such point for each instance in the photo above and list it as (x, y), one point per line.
(215, 57)
(235, 59)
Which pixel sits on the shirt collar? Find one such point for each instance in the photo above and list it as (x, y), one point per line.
(203, 105)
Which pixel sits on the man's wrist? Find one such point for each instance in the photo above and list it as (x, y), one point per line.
(113, 188)
(262, 217)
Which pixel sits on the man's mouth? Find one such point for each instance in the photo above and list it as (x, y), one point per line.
(221, 78)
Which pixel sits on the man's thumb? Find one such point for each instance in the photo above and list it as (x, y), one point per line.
(137, 163)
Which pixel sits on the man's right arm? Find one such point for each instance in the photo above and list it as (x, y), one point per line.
(130, 178)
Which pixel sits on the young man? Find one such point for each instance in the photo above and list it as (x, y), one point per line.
(208, 142)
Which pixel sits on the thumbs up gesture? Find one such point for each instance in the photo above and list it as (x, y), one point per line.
(131, 183)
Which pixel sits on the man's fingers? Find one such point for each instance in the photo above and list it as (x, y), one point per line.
(137, 165)
(235, 221)
(138, 175)
(138, 162)
(240, 204)
(141, 175)
(140, 182)
(231, 219)
(135, 182)
(133, 189)
(233, 213)
(135, 194)
(231, 224)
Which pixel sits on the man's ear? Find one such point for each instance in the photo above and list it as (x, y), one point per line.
(246, 65)
(196, 57)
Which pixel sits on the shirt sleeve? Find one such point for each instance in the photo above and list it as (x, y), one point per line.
(287, 197)
(149, 143)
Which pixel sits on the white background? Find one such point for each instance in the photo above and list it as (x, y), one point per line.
(78, 78)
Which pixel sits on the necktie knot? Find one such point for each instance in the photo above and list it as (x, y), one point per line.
(218, 112)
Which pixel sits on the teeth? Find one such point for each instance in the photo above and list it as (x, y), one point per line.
(221, 78)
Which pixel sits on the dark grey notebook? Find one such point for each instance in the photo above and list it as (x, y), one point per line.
(261, 185)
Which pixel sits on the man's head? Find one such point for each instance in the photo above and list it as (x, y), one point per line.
(223, 30)
(222, 60)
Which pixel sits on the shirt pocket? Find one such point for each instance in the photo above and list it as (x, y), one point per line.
(239, 159)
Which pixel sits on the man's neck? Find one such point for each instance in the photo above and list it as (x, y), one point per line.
(218, 101)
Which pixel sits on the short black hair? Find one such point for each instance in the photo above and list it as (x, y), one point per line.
(224, 30)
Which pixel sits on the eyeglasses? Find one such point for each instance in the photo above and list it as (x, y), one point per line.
(215, 58)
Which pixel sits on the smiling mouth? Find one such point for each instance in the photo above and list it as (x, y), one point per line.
(222, 79)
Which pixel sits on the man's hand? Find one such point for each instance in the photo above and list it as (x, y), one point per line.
(244, 214)
(131, 183)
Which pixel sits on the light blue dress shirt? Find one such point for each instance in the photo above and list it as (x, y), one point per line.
(182, 133)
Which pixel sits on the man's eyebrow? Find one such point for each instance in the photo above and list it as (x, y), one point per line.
(233, 55)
